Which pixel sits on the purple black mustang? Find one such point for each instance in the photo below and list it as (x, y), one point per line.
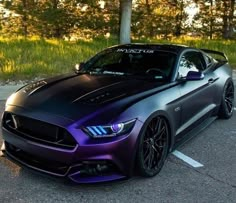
(119, 114)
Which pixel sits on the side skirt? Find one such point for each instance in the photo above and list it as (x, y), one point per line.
(192, 133)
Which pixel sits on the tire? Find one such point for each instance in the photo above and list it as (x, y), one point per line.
(227, 101)
(153, 147)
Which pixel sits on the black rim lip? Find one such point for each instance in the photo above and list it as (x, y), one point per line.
(158, 157)
(229, 98)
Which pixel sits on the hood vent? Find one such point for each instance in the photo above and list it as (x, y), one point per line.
(31, 88)
(102, 98)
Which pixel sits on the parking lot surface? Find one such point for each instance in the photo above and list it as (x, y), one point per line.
(215, 181)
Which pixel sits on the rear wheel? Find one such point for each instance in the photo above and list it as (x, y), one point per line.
(153, 147)
(227, 102)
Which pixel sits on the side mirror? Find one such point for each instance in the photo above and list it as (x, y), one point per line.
(194, 75)
(79, 67)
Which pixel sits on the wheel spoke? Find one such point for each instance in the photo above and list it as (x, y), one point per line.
(146, 152)
(229, 104)
(229, 97)
(150, 160)
(229, 107)
(146, 141)
(148, 133)
(158, 148)
(156, 124)
(159, 125)
(228, 101)
(230, 89)
(150, 130)
(154, 148)
(159, 134)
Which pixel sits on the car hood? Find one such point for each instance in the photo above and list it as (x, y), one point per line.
(76, 96)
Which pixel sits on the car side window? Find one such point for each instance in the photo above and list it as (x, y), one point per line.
(208, 60)
(191, 61)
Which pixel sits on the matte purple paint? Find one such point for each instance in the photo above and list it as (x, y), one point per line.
(74, 102)
(118, 150)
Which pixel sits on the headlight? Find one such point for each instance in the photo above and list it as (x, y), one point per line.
(113, 130)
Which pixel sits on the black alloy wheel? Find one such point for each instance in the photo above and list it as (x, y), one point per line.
(227, 104)
(153, 147)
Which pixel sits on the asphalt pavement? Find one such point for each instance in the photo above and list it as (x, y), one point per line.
(215, 181)
(7, 90)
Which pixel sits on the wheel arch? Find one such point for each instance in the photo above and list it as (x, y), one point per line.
(164, 115)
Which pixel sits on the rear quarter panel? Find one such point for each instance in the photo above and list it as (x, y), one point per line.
(224, 73)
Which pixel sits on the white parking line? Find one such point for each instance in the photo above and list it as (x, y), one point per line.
(187, 159)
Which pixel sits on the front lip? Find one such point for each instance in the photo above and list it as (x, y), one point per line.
(119, 150)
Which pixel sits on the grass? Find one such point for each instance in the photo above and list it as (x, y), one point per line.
(26, 59)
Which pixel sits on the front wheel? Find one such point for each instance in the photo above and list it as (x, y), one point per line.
(153, 147)
(227, 102)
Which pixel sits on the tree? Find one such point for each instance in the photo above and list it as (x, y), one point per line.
(21, 11)
(96, 19)
(216, 18)
(55, 18)
(206, 19)
(125, 24)
(163, 18)
(228, 9)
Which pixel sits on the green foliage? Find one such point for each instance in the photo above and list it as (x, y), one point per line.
(27, 58)
(57, 19)
(159, 18)
(89, 18)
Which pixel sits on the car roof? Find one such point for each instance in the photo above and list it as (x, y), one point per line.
(175, 48)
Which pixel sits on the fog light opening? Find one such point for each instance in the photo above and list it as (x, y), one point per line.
(96, 169)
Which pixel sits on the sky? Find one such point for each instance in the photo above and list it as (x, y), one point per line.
(191, 10)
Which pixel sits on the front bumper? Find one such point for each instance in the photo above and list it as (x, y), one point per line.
(91, 160)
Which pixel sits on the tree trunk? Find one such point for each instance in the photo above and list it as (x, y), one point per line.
(179, 18)
(211, 20)
(56, 30)
(231, 18)
(126, 10)
(24, 19)
(148, 9)
(228, 17)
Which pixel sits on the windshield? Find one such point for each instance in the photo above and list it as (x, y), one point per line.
(136, 62)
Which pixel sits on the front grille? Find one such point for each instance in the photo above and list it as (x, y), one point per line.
(35, 162)
(38, 131)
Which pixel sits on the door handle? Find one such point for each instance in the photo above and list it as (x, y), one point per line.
(210, 81)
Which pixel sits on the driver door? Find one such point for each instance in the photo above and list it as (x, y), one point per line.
(197, 96)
